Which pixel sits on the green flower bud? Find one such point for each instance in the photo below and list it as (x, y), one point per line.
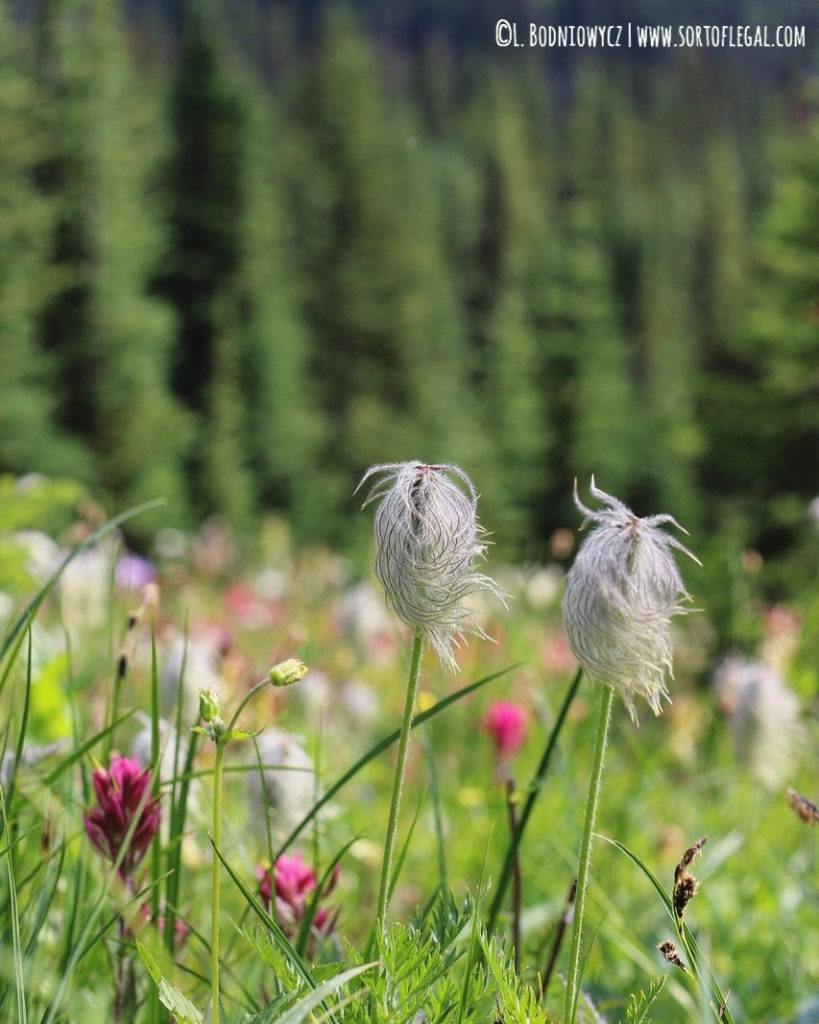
(209, 706)
(288, 672)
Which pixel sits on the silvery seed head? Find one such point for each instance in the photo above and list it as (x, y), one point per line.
(621, 594)
(427, 540)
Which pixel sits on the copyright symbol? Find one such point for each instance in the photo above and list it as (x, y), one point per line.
(503, 33)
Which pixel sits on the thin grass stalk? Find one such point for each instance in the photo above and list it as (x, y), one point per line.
(156, 845)
(179, 810)
(517, 880)
(592, 803)
(534, 790)
(398, 781)
(563, 923)
(216, 881)
(383, 745)
(19, 980)
(21, 737)
(437, 813)
(31, 608)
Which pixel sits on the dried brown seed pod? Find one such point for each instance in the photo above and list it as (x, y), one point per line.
(807, 811)
(669, 951)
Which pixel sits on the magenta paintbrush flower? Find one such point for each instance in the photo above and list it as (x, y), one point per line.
(293, 882)
(505, 723)
(125, 805)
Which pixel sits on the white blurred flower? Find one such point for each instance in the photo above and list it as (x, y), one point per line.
(85, 589)
(30, 756)
(622, 592)
(764, 716)
(283, 783)
(142, 749)
(427, 540)
(315, 692)
(43, 556)
(360, 702)
(365, 623)
(543, 585)
(200, 658)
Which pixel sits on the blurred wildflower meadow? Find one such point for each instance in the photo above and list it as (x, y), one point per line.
(108, 859)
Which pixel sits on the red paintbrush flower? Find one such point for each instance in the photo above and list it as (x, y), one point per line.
(124, 804)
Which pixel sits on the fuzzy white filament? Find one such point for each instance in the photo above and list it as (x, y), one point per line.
(622, 592)
(427, 539)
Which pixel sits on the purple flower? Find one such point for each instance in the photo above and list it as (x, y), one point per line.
(134, 572)
(124, 804)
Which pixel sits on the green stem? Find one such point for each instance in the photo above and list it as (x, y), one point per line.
(573, 981)
(217, 879)
(534, 790)
(398, 782)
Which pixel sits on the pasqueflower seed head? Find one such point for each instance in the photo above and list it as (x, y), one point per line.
(621, 594)
(427, 540)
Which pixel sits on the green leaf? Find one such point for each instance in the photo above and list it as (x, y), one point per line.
(296, 1014)
(238, 734)
(171, 998)
(639, 1005)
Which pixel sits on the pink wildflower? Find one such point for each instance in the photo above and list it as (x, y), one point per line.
(124, 802)
(506, 725)
(294, 881)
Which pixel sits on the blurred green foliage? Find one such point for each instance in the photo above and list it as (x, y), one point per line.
(239, 294)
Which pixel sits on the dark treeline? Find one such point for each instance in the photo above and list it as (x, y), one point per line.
(239, 290)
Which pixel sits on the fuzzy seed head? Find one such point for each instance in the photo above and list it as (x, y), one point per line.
(427, 540)
(621, 594)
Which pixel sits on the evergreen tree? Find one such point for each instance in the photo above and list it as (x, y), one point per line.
(378, 299)
(721, 296)
(784, 336)
(202, 266)
(670, 360)
(600, 423)
(109, 338)
(510, 271)
(283, 429)
(29, 439)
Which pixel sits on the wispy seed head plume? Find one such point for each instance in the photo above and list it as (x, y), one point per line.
(427, 540)
(621, 594)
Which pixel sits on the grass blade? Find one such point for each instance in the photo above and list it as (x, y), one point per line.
(534, 790)
(33, 606)
(17, 951)
(696, 960)
(383, 745)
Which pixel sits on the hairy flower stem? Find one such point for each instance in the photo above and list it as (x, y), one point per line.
(398, 782)
(573, 980)
(216, 889)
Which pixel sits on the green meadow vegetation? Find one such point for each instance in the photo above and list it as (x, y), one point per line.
(93, 665)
